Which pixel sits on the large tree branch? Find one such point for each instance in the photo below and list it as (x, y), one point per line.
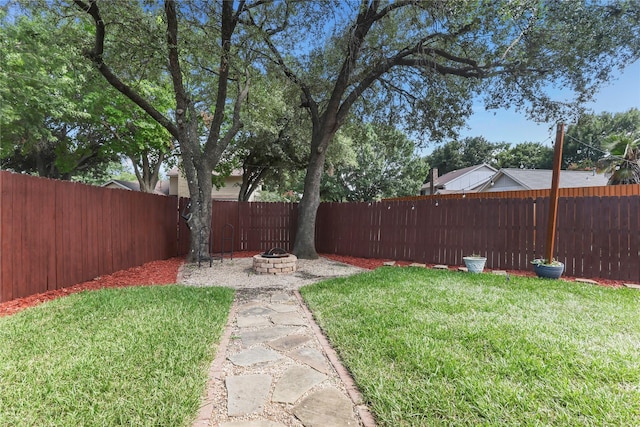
(277, 59)
(182, 102)
(228, 25)
(405, 57)
(478, 72)
(237, 123)
(364, 21)
(95, 55)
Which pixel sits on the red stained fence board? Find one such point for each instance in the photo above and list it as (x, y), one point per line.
(55, 234)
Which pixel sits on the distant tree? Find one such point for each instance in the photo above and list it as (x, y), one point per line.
(588, 140)
(271, 144)
(139, 138)
(528, 155)
(463, 153)
(113, 170)
(51, 101)
(385, 166)
(60, 119)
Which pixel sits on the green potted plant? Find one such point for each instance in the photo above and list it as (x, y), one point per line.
(474, 263)
(546, 269)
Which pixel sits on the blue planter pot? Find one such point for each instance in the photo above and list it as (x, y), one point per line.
(549, 271)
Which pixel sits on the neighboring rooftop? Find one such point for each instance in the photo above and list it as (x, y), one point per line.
(540, 179)
(460, 180)
(162, 187)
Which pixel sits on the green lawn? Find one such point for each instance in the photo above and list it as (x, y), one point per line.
(132, 356)
(430, 348)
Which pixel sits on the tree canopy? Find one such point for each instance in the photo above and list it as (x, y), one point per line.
(385, 166)
(588, 140)
(60, 118)
(50, 101)
(608, 141)
(471, 151)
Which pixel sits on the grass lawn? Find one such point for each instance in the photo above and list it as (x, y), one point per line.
(131, 356)
(430, 348)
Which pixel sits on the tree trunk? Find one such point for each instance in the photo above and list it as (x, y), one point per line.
(251, 178)
(199, 221)
(149, 176)
(304, 246)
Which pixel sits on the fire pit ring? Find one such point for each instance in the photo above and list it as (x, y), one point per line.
(275, 261)
(275, 253)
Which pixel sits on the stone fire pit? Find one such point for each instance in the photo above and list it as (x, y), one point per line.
(275, 261)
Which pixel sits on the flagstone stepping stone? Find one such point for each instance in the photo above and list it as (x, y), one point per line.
(247, 394)
(389, 263)
(293, 319)
(250, 338)
(417, 264)
(249, 305)
(311, 357)
(282, 297)
(296, 381)
(255, 311)
(464, 269)
(289, 342)
(253, 423)
(252, 321)
(587, 281)
(499, 272)
(254, 356)
(632, 285)
(283, 308)
(441, 267)
(326, 407)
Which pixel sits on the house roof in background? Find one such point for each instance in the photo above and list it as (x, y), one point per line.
(162, 187)
(125, 185)
(540, 179)
(441, 181)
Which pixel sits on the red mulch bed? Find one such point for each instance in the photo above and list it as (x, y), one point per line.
(166, 271)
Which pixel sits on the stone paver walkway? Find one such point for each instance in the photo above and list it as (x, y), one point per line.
(274, 368)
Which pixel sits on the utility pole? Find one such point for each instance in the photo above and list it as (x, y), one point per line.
(553, 199)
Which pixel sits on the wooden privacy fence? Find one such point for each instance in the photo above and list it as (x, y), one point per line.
(55, 234)
(256, 226)
(595, 237)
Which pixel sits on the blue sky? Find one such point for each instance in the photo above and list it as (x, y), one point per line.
(510, 126)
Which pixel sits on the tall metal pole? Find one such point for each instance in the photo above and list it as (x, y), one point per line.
(553, 199)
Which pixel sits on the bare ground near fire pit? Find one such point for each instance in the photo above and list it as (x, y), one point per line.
(238, 274)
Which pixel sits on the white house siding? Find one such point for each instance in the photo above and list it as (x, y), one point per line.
(470, 180)
(504, 183)
(230, 191)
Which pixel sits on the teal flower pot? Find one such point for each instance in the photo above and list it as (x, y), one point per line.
(549, 271)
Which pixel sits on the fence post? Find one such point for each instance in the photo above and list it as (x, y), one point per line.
(555, 184)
